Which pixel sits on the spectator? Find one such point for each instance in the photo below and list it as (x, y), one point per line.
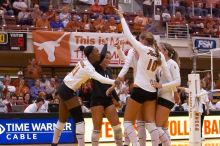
(177, 19)
(43, 22)
(96, 9)
(18, 5)
(65, 16)
(185, 105)
(178, 5)
(51, 87)
(20, 100)
(50, 13)
(24, 17)
(140, 17)
(166, 16)
(111, 26)
(56, 100)
(3, 107)
(32, 72)
(86, 24)
(48, 98)
(56, 24)
(17, 81)
(36, 13)
(21, 89)
(148, 8)
(207, 81)
(27, 99)
(9, 101)
(138, 26)
(36, 89)
(74, 24)
(108, 9)
(7, 84)
(99, 24)
(44, 5)
(20, 85)
(7, 7)
(217, 84)
(34, 107)
(44, 81)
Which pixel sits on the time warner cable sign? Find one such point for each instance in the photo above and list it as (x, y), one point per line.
(204, 44)
(33, 131)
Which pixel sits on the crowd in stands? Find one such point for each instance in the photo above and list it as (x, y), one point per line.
(201, 16)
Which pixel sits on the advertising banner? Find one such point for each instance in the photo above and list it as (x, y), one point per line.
(33, 131)
(203, 44)
(62, 48)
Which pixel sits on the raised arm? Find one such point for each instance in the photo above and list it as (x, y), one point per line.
(121, 54)
(136, 44)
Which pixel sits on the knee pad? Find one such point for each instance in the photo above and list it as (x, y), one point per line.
(140, 123)
(80, 128)
(77, 114)
(151, 127)
(95, 135)
(117, 131)
(60, 126)
(160, 130)
(127, 124)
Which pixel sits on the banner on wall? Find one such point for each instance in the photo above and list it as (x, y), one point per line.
(178, 128)
(204, 44)
(62, 48)
(33, 131)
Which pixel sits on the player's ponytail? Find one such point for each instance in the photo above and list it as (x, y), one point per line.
(171, 52)
(87, 50)
(159, 62)
(148, 40)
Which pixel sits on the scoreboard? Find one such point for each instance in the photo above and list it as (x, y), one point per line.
(13, 41)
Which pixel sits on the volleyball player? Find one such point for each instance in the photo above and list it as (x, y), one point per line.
(101, 104)
(143, 92)
(166, 91)
(70, 103)
(131, 61)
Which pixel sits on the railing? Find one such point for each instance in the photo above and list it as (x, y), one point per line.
(177, 30)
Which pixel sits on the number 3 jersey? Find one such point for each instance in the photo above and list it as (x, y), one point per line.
(81, 73)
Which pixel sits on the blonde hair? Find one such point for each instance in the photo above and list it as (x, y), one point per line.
(149, 40)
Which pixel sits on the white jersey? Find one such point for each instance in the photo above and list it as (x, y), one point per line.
(147, 62)
(32, 108)
(130, 61)
(168, 87)
(81, 73)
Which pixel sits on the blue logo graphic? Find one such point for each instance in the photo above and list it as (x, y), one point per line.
(33, 131)
(205, 44)
(2, 129)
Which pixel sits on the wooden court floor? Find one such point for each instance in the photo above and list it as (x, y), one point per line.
(207, 142)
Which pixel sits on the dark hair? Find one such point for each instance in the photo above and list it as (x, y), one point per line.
(149, 40)
(87, 50)
(39, 99)
(171, 52)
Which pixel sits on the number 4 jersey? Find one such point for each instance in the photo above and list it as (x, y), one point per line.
(81, 73)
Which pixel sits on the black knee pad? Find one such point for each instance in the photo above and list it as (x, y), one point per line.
(77, 114)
